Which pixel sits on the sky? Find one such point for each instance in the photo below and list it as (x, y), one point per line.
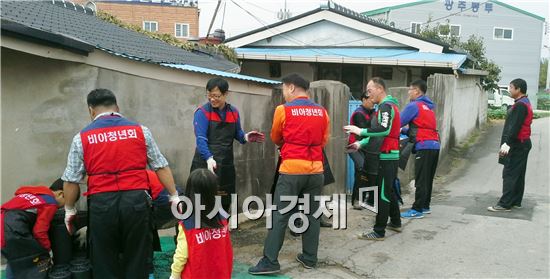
(238, 20)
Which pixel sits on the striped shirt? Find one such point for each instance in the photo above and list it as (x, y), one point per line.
(74, 172)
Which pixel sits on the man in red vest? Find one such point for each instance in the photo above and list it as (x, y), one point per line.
(114, 152)
(366, 158)
(515, 146)
(422, 130)
(389, 128)
(301, 129)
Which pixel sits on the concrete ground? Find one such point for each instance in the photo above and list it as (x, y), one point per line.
(459, 239)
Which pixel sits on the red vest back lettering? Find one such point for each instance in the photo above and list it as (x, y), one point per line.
(304, 129)
(210, 252)
(115, 155)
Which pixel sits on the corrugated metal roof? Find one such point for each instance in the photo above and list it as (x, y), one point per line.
(376, 56)
(219, 73)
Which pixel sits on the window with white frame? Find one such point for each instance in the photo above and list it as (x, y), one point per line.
(181, 30)
(415, 27)
(151, 26)
(500, 33)
(449, 30)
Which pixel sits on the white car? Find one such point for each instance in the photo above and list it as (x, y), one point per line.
(500, 98)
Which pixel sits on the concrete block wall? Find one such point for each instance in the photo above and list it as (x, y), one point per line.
(334, 97)
(44, 106)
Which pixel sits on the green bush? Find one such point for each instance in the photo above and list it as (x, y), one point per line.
(540, 114)
(543, 101)
(496, 113)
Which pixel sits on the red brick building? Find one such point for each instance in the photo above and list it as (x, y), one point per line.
(179, 18)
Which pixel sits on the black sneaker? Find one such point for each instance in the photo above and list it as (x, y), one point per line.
(264, 266)
(371, 236)
(498, 208)
(394, 228)
(300, 259)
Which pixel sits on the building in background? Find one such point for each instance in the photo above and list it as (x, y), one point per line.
(179, 18)
(512, 37)
(336, 43)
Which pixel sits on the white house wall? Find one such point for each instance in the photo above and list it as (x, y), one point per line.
(325, 33)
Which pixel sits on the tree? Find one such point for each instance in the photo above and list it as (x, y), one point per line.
(473, 46)
(543, 72)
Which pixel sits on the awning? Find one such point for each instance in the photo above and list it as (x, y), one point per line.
(368, 56)
(196, 69)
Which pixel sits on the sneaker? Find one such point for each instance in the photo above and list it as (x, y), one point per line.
(412, 214)
(264, 266)
(371, 236)
(394, 228)
(426, 211)
(498, 208)
(517, 206)
(300, 259)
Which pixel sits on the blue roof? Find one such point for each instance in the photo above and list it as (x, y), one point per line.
(358, 53)
(219, 73)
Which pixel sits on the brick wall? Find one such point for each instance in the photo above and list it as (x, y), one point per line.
(165, 16)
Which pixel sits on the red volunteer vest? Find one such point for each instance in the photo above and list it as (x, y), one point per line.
(391, 142)
(40, 198)
(302, 132)
(359, 111)
(525, 131)
(210, 252)
(115, 155)
(425, 123)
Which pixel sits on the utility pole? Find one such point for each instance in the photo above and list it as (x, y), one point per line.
(213, 18)
(547, 46)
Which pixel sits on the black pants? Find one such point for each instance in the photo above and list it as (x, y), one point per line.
(387, 200)
(360, 177)
(120, 234)
(425, 164)
(513, 175)
(295, 185)
(26, 257)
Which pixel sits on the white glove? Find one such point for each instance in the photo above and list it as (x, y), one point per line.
(70, 215)
(51, 254)
(176, 199)
(81, 236)
(173, 277)
(212, 165)
(352, 129)
(504, 149)
(353, 147)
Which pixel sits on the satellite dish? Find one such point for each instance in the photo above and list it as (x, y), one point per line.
(91, 5)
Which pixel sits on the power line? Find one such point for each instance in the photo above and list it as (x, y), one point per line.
(290, 38)
(259, 7)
